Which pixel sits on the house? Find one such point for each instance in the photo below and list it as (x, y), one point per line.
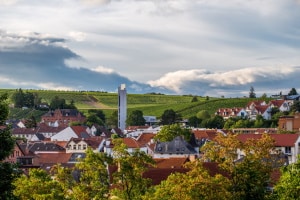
(71, 132)
(146, 142)
(231, 112)
(178, 147)
(63, 116)
(17, 152)
(259, 107)
(281, 104)
(80, 145)
(263, 110)
(200, 136)
(289, 123)
(287, 144)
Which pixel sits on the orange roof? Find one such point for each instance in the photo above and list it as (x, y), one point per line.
(170, 162)
(52, 158)
(131, 143)
(277, 103)
(206, 133)
(261, 109)
(281, 140)
(145, 138)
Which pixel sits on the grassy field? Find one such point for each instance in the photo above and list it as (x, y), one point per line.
(149, 104)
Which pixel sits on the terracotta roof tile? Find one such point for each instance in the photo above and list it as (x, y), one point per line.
(145, 138)
(281, 140)
(170, 162)
(131, 143)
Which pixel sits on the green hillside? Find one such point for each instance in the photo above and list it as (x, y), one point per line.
(149, 104)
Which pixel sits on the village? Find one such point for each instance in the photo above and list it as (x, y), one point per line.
(54, 141)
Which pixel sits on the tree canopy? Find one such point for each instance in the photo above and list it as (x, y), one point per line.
(170, 117)
(293, 91)
(252, 92)
(135, 118)
(169, 132)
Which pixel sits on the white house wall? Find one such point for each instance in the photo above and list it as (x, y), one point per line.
(64, 135)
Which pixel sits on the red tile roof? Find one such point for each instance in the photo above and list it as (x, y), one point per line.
(206, 133)
(145, 138)
(131, 143)
(52, 158)
(170, 162)
(281, 140)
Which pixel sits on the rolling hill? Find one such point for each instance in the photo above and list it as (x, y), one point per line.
(149, 104)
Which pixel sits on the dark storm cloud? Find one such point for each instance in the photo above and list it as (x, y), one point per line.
(35, 62)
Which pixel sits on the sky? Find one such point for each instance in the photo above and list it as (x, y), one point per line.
(198, 47)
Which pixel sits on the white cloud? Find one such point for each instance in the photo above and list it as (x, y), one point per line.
(178, 80)
(77, 36)
(102, 70)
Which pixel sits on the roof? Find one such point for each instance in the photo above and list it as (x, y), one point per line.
(170, 162)
(177, 146)
(145, 138)
(262, 109)
(277, 102)
(281, 140)
(131, 143)
(255, 103)
(41, 146)
(80, 131)
(209, 134)
(52, 158)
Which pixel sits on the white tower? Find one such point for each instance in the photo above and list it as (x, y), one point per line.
(122, 107)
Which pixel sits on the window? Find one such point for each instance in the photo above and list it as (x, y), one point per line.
(79, 146)
(84, 147)
(74, 146)
(288, 150)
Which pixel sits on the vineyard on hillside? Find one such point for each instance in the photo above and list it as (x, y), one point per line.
(149, 104)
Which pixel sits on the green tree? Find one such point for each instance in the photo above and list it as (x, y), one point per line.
(57, 103)
(293, 91)
(98, 113)
(37, 186)
(296, 106)
(112, 121)
(194, 99)
(94, 119)
(128, 180)
(197, 183)
(31, 122)
(215, 122)
(169, 132)
(94, 180)
(249, 177)
(287, 187)
(203, 115)
(4, 110)
(252, 92)
(194, 121)
(136, 118)
(170, 117)
(8, 171)
(18, 98)
(22, 99)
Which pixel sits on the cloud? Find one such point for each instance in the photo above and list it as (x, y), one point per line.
(77, 36)
(103, 70)
(231, 83)
(42, 65)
